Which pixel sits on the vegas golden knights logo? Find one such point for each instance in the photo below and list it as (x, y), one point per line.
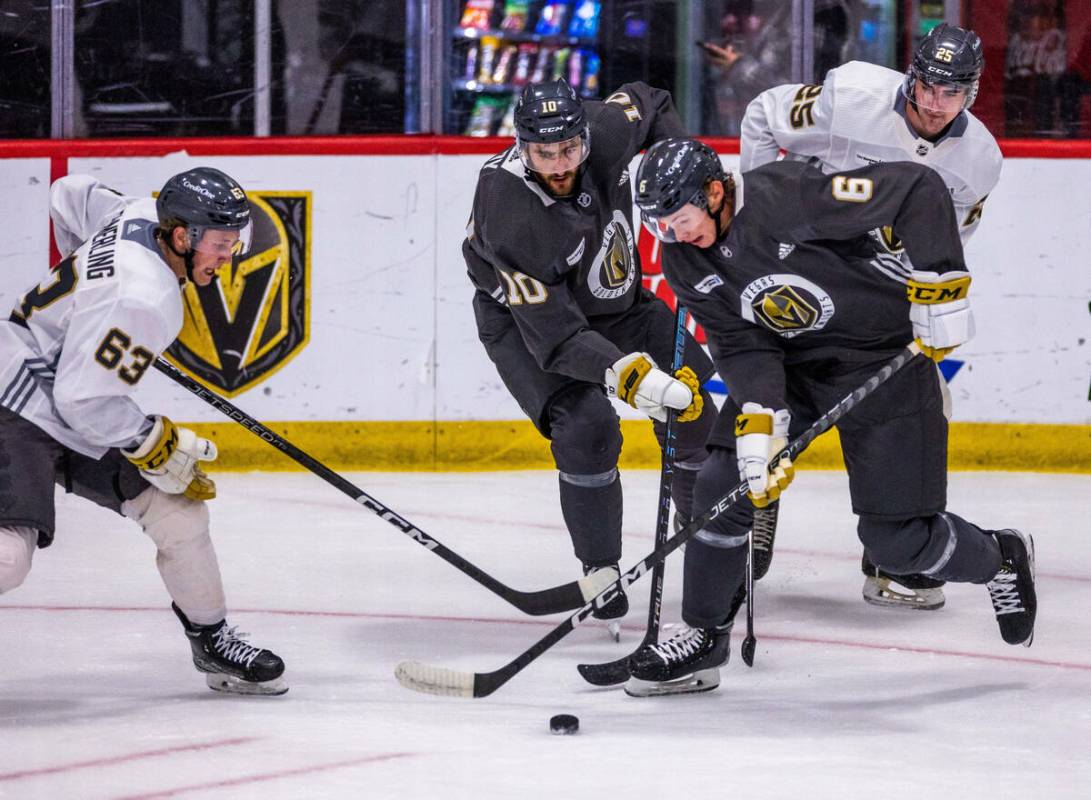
(255, 316)
(786, 304)
(617, 265)
(785, 309)
(613, 269)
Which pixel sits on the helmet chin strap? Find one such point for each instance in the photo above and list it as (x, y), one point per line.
(717, 215)
(187, 256)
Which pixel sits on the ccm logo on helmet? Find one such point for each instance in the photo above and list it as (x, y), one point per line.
(554, 129)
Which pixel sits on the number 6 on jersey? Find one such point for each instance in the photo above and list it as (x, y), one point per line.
(852, 190)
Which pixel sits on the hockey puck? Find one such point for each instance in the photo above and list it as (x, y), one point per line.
(564, 724)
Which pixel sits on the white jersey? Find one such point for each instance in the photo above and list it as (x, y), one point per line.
(856, 118)
(77, 344)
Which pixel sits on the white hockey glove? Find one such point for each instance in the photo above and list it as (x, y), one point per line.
(761, 433)
(169, 458)
(940, 311)
(636, 380)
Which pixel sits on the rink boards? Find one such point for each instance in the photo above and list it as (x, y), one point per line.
(385, 370)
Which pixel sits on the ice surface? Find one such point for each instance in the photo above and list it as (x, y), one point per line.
(98, 698)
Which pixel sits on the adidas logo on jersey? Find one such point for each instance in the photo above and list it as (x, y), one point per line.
(785, 250)
(708, 283)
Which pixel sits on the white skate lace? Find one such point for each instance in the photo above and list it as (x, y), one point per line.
(1005, 593)
(230, 644)
(686, 643)
(765, 527)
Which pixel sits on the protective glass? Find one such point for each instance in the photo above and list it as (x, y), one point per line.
(939, 97)
(676, 227)
(556, 157)
(222, 241)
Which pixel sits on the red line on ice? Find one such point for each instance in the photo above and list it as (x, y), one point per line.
(109, 762)
(268, 776)
(547, 622)
(929, 651)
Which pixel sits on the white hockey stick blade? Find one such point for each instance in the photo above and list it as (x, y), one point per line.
(435, 680)
(592, 585)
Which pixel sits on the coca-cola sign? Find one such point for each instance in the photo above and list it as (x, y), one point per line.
(1045, 54)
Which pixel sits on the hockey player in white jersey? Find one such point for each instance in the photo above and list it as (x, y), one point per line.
(71, 355)
(867, 114)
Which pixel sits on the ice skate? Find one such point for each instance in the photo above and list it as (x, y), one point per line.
(1012, 589)
(901, 591)
(615, 608)
(230, 663)
(687, 663)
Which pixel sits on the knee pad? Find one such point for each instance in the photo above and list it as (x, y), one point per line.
(585, 432)
(17, 544)
(720, 474)
(168, 519)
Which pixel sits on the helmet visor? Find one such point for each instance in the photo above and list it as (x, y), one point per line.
(677, 227)
(659, 228)
(224, 242)
(939, 97)
(554, 158)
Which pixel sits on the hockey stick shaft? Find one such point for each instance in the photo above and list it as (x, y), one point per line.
(666, 481)
(750, 642)
(613, 672)
(547, 601)
(443, 681)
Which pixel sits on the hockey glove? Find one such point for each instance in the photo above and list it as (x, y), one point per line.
(169, 459)
(636, 380)
(761, 433)
(694, 409)
(940, 311)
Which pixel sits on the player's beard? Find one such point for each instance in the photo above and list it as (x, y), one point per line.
(928, 123)
(560, 185)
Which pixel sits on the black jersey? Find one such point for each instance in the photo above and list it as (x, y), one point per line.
(791, 280)
(567, 268)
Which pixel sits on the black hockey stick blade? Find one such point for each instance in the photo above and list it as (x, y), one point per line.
(459, 683)
(611, 673)
(554, 600)
(748, 646)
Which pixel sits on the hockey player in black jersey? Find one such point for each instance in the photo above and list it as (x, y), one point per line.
(560, 307)
(777, 271)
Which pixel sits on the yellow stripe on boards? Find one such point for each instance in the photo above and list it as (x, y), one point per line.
(477, 446)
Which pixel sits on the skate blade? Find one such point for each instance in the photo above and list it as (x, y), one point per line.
(703, 680)
(887, 594)
(229, 684)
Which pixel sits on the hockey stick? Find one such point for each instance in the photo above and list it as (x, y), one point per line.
(614, 672)
(457, 683)
(750, 642)
(547, 601)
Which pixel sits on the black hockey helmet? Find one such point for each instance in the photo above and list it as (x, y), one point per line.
(204, 198)
(675, 172)
(948, 55)
(550, 112)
